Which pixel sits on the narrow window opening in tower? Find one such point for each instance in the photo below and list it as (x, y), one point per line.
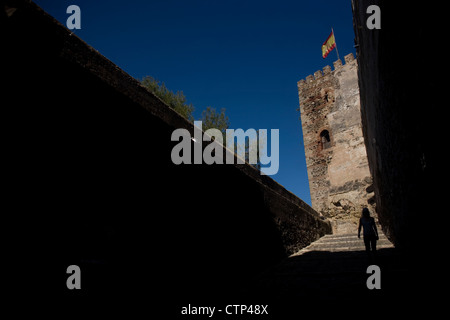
(325, 139)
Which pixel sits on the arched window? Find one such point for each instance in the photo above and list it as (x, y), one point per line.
(325, 139)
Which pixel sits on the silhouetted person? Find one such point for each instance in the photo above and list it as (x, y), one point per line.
(370, 233)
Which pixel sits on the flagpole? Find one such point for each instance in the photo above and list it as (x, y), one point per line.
(335, 42)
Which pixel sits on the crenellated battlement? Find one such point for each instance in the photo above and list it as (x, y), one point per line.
(326, 70)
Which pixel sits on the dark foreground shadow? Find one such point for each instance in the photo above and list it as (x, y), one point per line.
(315, 283)
(336, 283)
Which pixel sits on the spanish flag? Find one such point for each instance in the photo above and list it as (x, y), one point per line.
(328, 45)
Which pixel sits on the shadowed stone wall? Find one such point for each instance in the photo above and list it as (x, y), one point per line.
(402, 125)
(88, 152)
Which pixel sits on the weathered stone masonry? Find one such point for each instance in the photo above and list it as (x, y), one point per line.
(336, 160)
(403, 116)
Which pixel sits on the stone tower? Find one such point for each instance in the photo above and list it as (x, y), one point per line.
(339, 178)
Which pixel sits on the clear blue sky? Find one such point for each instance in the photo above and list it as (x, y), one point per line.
(244, 56)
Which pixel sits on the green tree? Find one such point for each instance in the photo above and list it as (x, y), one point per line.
(176, 101)
(213, 119)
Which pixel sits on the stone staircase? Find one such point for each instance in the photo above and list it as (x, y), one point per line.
(343, 242)
(332, 270)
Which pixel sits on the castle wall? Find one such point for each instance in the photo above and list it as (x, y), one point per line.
(338, 170)
(90, 175)
(403, 121)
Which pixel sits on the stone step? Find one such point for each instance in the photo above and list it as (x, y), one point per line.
(342, 248)
(334, 241)
(343, 242)
(331, 237)
(345, 247)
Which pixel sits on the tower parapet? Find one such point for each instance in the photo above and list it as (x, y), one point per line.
(327, 69)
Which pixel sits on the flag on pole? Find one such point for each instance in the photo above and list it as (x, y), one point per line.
(328, 45)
